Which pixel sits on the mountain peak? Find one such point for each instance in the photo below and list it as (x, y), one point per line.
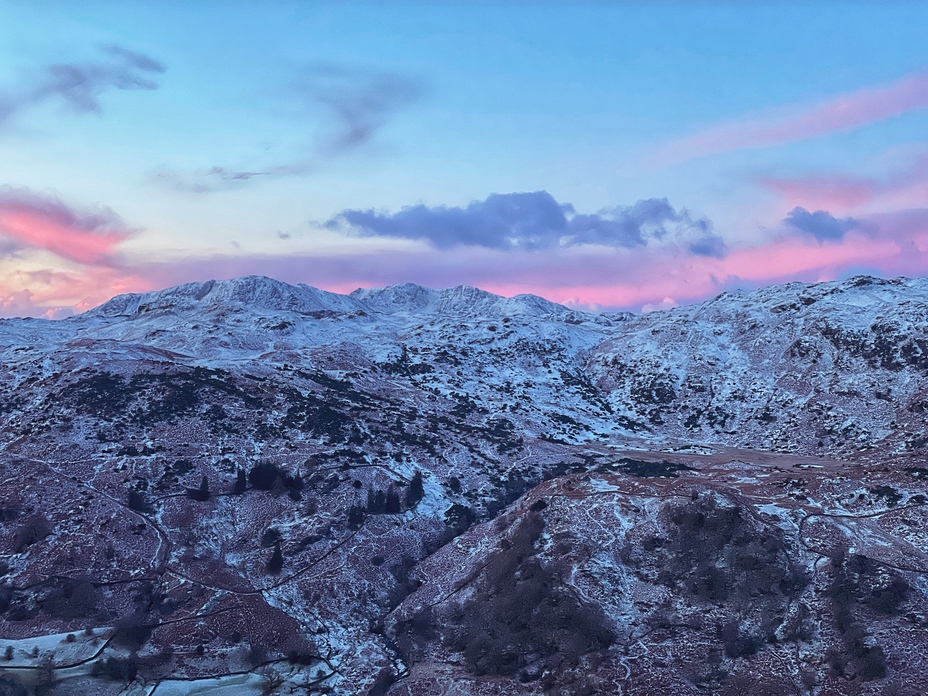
(256, 292)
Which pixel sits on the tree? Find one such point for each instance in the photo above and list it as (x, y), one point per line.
(200, 494)
(277, 560)
(416, 491)
(241, 483)
(356, 516)
(376, 502)
(392, 506)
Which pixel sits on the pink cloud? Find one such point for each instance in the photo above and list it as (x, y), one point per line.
(843, 193)
(836, 193)
(841, 114)
(85, 237)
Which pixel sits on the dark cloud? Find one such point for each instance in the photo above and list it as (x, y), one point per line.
(532, 221)
(631, 226)
(710, 245)
(355, 103)
(502, 221)
(79, 85)
(821, 224)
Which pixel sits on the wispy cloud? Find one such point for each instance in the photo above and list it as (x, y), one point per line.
(533, 221)
(905, 187)
(79, 86)
(353, 103)
(798, 122)
(358, 102)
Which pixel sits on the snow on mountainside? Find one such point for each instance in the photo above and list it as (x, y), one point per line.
(252, 477)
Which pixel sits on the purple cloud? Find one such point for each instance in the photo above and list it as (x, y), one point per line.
(821, 224)
(710, 245)
(531, 221)
(80, 85)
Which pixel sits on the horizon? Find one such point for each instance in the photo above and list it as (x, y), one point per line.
(579, 308)
(602, 156)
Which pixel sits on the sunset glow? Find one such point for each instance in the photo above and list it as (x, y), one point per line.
(520, 151)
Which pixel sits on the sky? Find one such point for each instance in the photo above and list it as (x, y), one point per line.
(622, 155)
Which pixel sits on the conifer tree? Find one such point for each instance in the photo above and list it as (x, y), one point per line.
(392, 506)
(416, 491)
(240, 483)
(277, 560)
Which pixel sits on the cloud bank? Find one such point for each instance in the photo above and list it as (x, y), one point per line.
(79, 86)
(533, 222)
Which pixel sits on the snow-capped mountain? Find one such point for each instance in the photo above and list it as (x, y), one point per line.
(251, 478)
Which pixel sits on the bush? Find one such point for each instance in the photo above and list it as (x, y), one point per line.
(520, 613)
(115, 669)
(270, 537)
(72, 599)
(265, 476)
(132, 632)
(138, 501)
(33, 529)
(8, 687)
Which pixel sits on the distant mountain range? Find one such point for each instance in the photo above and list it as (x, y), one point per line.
(270, 488)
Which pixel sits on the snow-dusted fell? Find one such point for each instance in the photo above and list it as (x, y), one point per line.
(387, 492)
(253, 292)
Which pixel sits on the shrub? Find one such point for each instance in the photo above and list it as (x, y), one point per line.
(115, 669)
(270, 537)
(138, 501)
(519, 614)
(263, 475)
(8, 687)
(33, 529)
(72, 599)
(376, 502)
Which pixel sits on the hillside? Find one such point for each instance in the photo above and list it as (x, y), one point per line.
(294, 490)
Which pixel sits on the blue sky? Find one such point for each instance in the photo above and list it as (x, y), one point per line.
(266, 122)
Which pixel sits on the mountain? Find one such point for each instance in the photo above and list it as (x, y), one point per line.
(279, 488)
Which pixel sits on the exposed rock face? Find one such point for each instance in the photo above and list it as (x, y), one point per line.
(401, 488)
